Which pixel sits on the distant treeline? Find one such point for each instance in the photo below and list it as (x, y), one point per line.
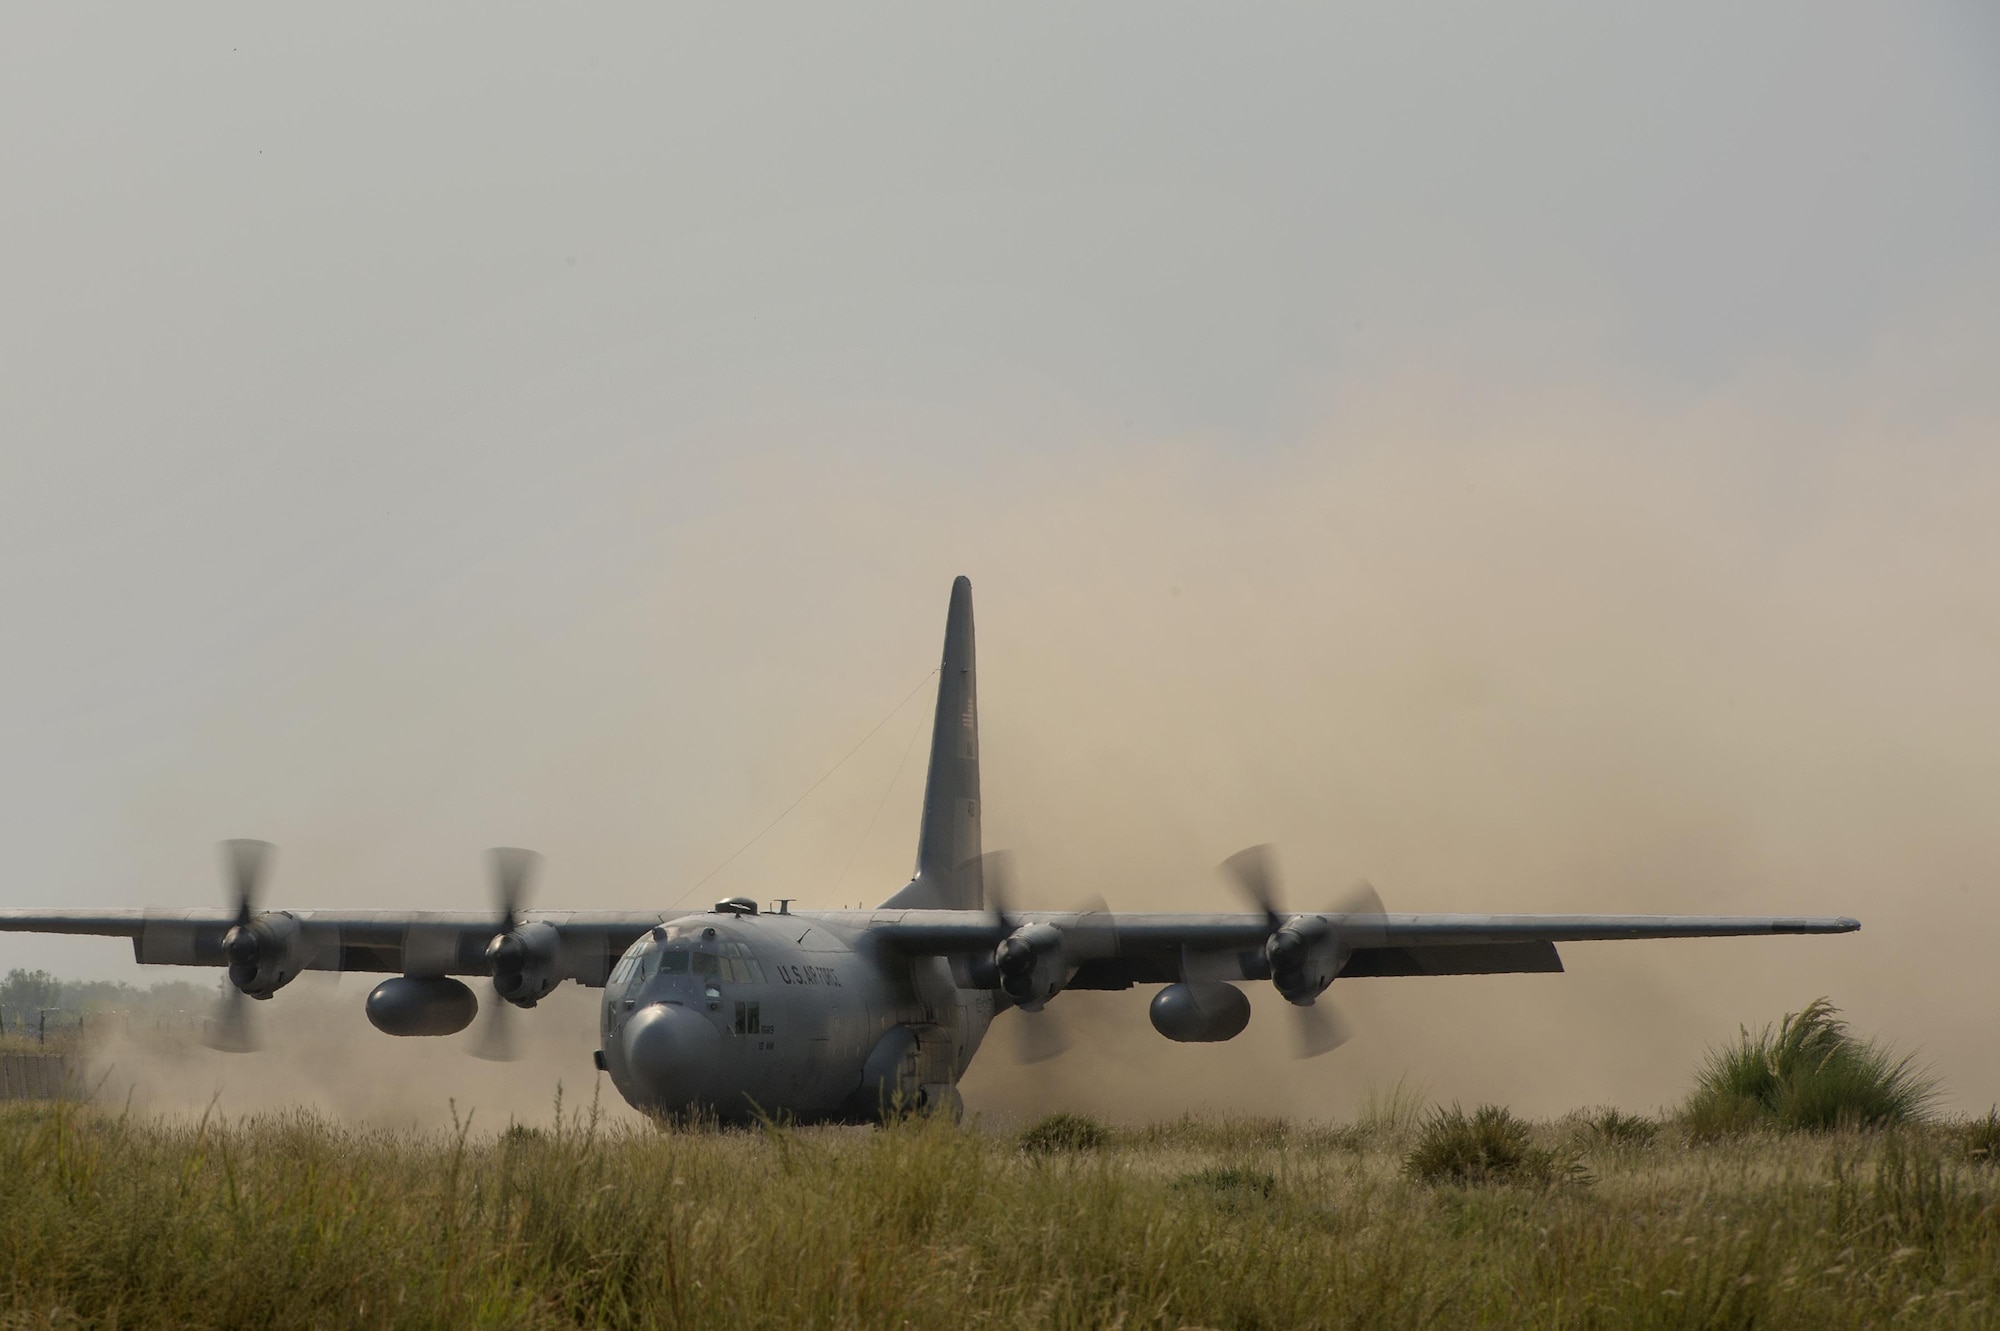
(25, 995)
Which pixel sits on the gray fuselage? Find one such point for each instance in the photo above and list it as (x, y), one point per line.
(740, 1015)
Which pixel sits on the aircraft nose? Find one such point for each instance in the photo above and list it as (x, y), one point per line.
(670, 1052)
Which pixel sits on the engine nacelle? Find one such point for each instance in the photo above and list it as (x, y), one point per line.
(1200, 1012)
(266, 953)
(421, 1005)
(527, 963)
(1031, 964)
(1304, 957)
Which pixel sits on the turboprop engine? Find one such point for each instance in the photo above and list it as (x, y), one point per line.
(263, 950)
(526, 963)
(266, 952)
(1304, 958)
(1031, 963)
(1304, 953)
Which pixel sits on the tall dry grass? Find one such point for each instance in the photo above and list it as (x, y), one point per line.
(293, 1221)
(1812, 1073)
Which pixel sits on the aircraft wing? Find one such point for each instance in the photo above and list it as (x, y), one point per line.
(1122, 949)
(379, 941)
(1161, 948)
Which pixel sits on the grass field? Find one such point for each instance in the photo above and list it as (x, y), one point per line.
(290, 1221)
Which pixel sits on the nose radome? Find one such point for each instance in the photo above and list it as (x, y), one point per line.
(670, 1052)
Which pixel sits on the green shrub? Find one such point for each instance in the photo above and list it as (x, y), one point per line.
(1065, 1133)
(1811, 1074)
(1488, 1145)
(1614, 1127)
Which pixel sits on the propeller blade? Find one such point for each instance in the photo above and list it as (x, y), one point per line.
(513, 869)
(323, 948)
(1366, 924)
(496, 1041)
(1318, 1028)
(245, 861)
(996, 874)
(1091, 936)
(231, 1030)
(1257, 876)
(1039, 1036)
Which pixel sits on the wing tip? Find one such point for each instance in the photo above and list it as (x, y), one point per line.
(1839, 924)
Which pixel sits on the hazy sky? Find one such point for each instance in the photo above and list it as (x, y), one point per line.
(1540, 456)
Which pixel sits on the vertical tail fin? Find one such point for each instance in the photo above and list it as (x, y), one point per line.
(948, 847)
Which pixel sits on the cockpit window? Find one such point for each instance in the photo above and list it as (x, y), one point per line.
(634, 966)
(643, 960)
(731, 962)
(739, 967)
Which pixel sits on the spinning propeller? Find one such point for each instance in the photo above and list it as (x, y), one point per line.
(262, 950)
(1033, 961)
(231, 1031)
(508, 955)
(1306, 952)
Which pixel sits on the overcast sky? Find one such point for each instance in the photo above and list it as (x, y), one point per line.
(428, 427)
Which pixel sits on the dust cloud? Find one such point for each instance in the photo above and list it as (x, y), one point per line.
(1550, 652)
(318, 1055)
(1494, 642)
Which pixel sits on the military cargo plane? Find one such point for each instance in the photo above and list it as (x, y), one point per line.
(738, 1011)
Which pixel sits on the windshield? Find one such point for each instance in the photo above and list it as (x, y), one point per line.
(644, 959)
(729, 961)
(738, 966)
(628, 965)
